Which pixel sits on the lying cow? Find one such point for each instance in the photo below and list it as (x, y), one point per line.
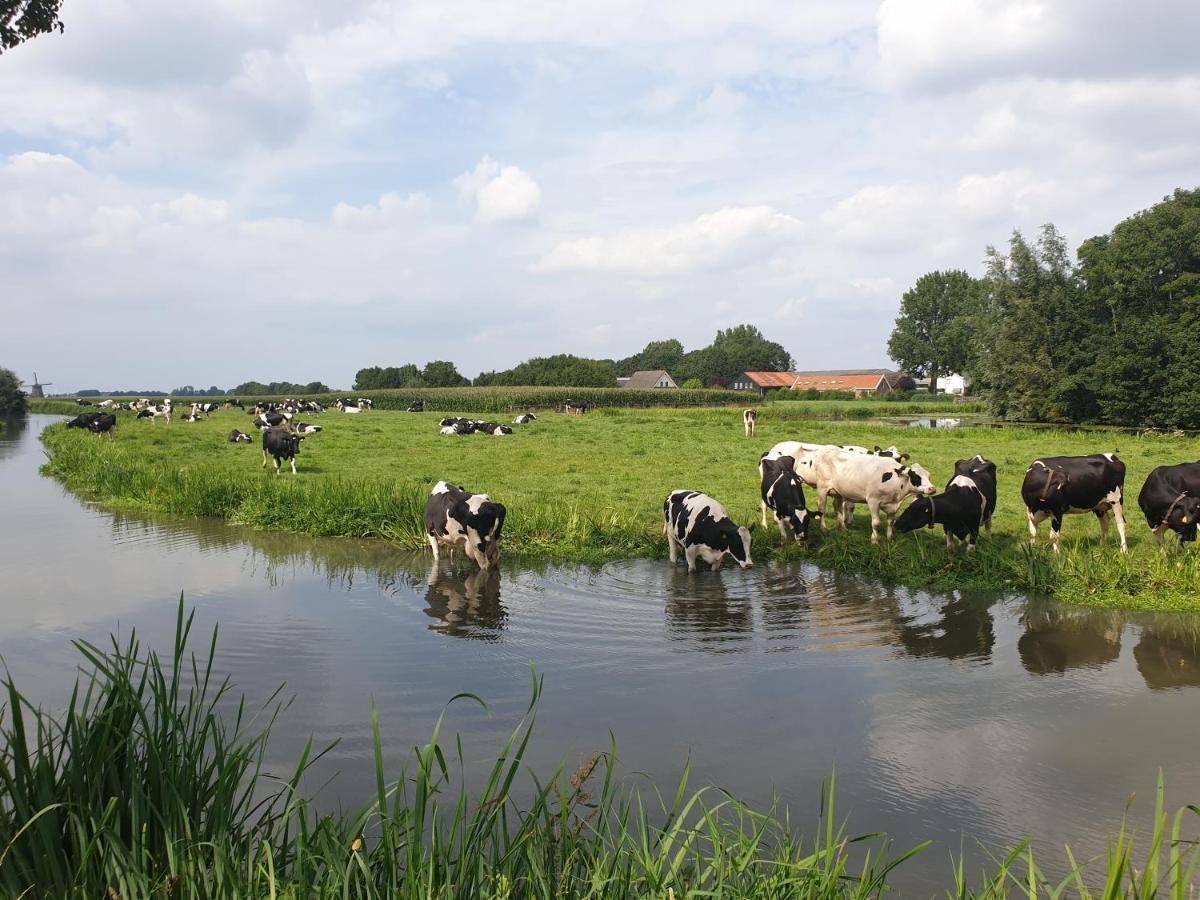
(1170, 499)
(962, 509)
(700, 526)
(1057, 485)
(79, 401)
(273, 419)
(281, 444)
(417, 406)
(750, 420)
(305, 428)
(525, 419)
(240, 437)
(458, 518)
(783, 494)
(878, 481)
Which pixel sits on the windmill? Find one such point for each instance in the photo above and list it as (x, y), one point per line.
(35, 389)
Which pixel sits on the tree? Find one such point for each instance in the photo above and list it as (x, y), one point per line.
(692, 384)
(666, 354)
(12, 398)
(932, 337)
(563, 370)
(440, 373)
(733, 351)
(21, 20)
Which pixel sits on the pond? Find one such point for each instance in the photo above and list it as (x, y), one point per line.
(969, 719)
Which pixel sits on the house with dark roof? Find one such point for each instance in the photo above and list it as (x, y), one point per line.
(763, 381)
(648, 380)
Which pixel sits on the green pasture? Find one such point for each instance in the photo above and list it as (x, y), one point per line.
(591, 488)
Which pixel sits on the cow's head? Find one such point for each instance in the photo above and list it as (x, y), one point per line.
(1182, 517)
(916, 478)
(919, 514)
(892, 452)
(739, 547)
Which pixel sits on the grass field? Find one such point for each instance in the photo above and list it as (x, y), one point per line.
(144, 787)
(591, 488)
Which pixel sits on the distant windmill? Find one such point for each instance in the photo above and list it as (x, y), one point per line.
(35, 389)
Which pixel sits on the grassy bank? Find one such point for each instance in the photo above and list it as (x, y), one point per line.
(591, 488)
(152, 784)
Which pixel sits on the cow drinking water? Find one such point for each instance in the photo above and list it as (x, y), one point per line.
(1057, 485)
(457, 518)
(700, 526)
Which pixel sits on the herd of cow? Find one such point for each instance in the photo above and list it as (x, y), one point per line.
(881, 477)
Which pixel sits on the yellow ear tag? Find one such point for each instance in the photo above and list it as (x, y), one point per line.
(1185, 520)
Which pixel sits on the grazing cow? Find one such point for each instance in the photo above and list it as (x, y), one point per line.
(962, 509)
(81, 402)
(783, 493)
(417, 406)
(103, 424)
(804, 453)
(458, 518)
(750, 420)
(281, 444)
(154, 413)
(525, 419)
(83, 419)
(699, 524)
(1057, 485)
(240, 437)
(234, 402)
(880, 482)
(305, 428)
(576, 407)
(1170, 498)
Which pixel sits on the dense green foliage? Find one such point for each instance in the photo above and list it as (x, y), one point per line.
(21, 20)
(932, 336)
(258, 389)
(591, 488)
(1106, 339)
(188, 391)
(12, 398)
(733, 351)
(562, 370)
(436, 374)
(153, 783)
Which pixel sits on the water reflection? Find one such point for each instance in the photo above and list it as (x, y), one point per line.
(466, 605)
(1168, 657)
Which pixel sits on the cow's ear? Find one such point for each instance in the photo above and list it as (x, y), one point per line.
(904, 456)
(877, 449)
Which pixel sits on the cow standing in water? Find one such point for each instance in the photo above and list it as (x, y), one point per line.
(750, 420)
(1057, 485)
(457, 518)
(700, 526)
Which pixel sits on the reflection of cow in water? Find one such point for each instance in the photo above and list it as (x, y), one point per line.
(1056, 640)
(466, 606)
(1166, 659)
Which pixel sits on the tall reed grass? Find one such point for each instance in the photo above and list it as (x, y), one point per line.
(152, 783)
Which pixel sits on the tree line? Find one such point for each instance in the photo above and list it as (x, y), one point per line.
(1101, 338)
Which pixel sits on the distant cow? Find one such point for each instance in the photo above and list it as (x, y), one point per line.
(962, 509)
(576, 407)
(154, 413)
(233, 402)
(1170, 498)
(79, 401)
(275, 419)
(880, 482)
(1057, 485)
(305, 428)
(240, 437)
(457, 518)
(281, 444)
(365, 403)
(700, 526)
(783, 494)
(524, 419)
(417, 406)
(750, 420)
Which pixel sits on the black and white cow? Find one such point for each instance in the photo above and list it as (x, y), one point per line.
(880, 482)
(700, 526)
(525, 419)
(103, 424)
(281, 444)
(750, 420)
(240, 437)
(305, 428)
(1057, 485)
(1170, 499)
(233, 402)
(275, 419)
(154, 413)
(962, 509)
(365, 403)
(79, 401)
(457, 518)
(783, 494)
(83, 419)
(576, 407)
(457, 426)
(417, 406)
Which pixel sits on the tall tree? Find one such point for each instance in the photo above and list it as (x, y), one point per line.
(21, 20)
(12, 398)
(931, 337)
(441, 373)
(666, 354)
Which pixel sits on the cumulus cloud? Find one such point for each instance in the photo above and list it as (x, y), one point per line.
(501, 193)
(711, 240)
(391, 209)
(195, 211)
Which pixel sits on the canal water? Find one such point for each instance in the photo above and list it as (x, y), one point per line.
(975, 720)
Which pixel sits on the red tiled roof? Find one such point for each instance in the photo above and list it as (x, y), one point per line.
(772, 379)
(845, 382)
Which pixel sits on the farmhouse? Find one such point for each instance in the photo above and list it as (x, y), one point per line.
(648, 380)
(862, 382)
(763, 381)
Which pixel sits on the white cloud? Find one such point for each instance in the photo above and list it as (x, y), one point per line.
(501, 193)
(189, 209)
(711, 240)
(391, 209)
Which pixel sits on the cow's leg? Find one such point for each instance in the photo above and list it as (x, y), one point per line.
(433, 545)
(1118, 511)
(783, 537)
(822, 496)
(972, 537)
(890, 512)
(277, 465)
(1035, 518)
(847, 513)
(716, 566)
(293, 465)
(264, 465)
(874, 522)
(1102, 515)
(691, 553)
(988, 525)
(672, 545)
(1055, 533)
(949, 544)
(1158, 536)
(764, 521)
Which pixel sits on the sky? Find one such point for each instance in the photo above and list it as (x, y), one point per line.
(209, 191)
